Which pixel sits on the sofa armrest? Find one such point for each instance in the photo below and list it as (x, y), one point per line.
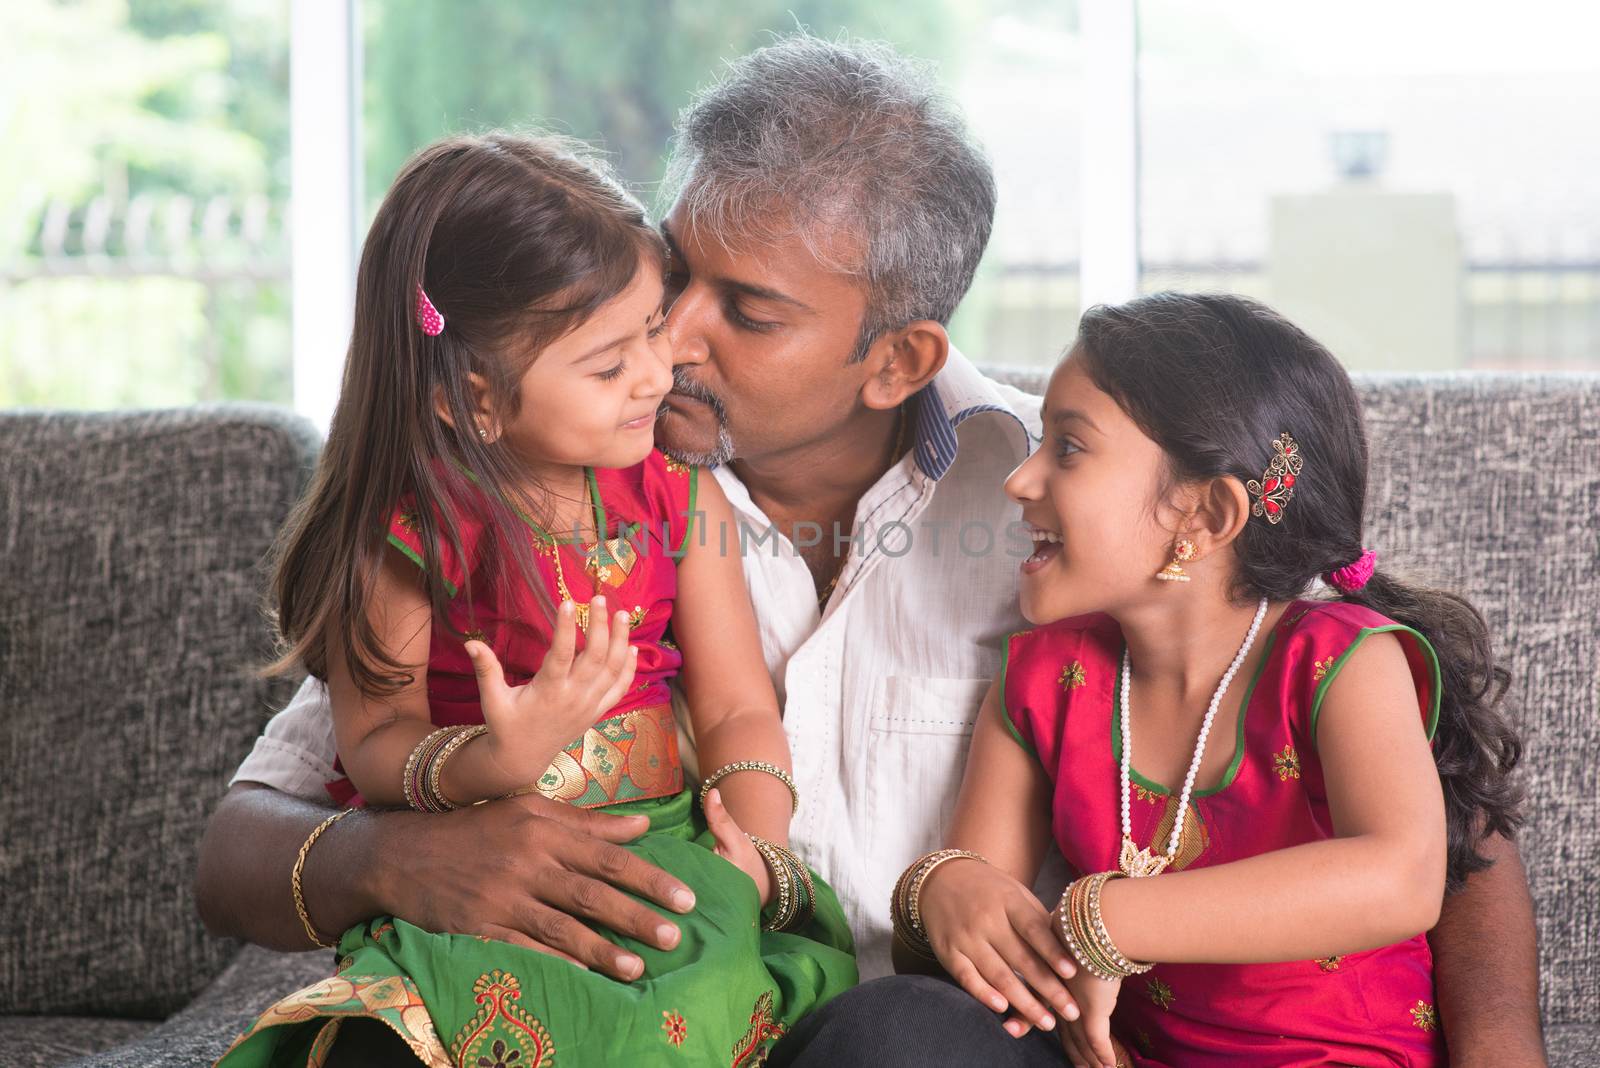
(199, 1033)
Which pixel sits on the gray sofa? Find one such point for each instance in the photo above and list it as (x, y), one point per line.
(130, 621)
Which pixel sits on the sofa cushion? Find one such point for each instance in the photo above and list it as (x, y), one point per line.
(201, 1033)
(47, 1041)
(130, 625)
(1489, 485)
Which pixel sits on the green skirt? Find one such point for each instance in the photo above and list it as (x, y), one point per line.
(721, 997)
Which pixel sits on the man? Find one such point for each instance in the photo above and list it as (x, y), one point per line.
(830, 212)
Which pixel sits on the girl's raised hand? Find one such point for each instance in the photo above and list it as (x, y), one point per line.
(528, 724)
(734, 846)
(995, 939)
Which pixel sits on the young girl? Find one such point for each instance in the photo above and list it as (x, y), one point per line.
(486, 572)
(1241, 776)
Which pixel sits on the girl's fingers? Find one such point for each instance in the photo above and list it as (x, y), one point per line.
(1038, 974)
(492, 689)
(619, 642)
(963, 971)
(1000, 976)
(1077, 1046)
(1038, 929)
(563, 642)
(1098, 1034)
(621, 682)
(728, 836)
(597, 639)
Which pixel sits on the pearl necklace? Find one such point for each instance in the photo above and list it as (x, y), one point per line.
(1137, 862)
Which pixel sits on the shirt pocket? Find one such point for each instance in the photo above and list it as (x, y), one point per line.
(918, 738)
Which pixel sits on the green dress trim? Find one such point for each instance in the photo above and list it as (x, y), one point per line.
(1238, 734)
(1005, 711)
(1423, 644)
(688, 526)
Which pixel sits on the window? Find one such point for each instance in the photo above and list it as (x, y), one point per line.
(143, 258)
(1413, 183)
(620, 82)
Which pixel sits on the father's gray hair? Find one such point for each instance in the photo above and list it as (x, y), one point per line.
(852, 149)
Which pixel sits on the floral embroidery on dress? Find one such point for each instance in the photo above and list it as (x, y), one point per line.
(1322, 668)
(410, 521)
(1072, 676)
(1329, 964)
(675, 1027)
(751, 1049)
(1146, 795)
(1159, 993)
(1142, 1040)
(676, 467)
(502, 1034)
(1425, 1016)
(1287, 764)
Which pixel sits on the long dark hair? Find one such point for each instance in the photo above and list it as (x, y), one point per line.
(516, 240)
(1213, 380)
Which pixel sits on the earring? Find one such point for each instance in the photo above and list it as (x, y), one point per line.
(482, 433)
(1182, 550)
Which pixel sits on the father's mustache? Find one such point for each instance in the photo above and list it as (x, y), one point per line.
(685, 386)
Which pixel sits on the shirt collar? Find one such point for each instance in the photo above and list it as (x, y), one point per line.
(957, 393)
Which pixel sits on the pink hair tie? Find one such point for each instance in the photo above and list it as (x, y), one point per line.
(427, 316)
(1354, 576)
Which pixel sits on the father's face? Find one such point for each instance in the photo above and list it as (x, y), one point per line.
(761, 338)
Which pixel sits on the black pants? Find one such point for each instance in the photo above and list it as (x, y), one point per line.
(910, 1020)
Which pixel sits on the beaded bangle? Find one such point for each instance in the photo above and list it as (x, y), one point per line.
(299, 866)
(1084, 932)
(413, 780)
(905, 906)
(751, 765)
(787, 891)
(460, 736)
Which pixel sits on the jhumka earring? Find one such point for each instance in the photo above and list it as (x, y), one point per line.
(1182, 551)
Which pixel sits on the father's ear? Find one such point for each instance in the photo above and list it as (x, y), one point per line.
(902, 361)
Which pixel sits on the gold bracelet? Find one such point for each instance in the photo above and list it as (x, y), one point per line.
(751, 765)
(299, 865)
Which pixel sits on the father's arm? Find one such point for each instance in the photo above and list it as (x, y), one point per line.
(1486, 966)
(522, 870)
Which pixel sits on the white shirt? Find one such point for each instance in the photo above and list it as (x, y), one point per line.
(880, 693)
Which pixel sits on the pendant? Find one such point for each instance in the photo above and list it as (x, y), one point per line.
(611, 561)
(1139, 863)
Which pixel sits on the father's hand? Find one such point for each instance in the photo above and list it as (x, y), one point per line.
(526, 870)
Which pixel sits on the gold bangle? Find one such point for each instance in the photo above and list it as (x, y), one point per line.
(783, 880)
(459, 737)
(905, 905)
(1084, 932)
(411, 779)
(299, 865)
(751, 765)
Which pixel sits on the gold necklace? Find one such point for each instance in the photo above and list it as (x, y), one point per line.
(600, 573)
(899, 449)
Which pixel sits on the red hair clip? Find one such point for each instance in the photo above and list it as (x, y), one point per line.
(427, 316)
(1276, 487)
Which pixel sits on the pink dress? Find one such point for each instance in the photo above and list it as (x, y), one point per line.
(631, 752)
(1061, 689)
